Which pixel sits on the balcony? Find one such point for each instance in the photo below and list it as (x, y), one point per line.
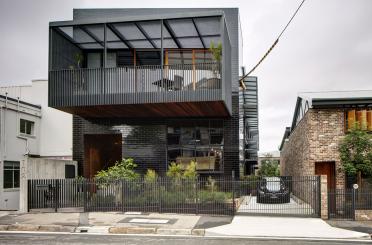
(152, 68)
(185, 90)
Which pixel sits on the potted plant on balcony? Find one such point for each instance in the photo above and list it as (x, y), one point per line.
(216, 51)
(79, 79)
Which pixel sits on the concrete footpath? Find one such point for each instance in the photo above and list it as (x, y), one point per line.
(176, 224)
(283, 227)
(111, 222)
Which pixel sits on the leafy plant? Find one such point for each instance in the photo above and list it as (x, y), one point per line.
(174, 171)
(211, 184)
(214, 197)
(356, 152)
(269, 167)
(190, 171)
(123, 170)
(150, 176)
(216, 51)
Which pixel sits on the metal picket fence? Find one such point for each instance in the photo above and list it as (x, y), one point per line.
(344, 203)
(285, 195)
(201, 196)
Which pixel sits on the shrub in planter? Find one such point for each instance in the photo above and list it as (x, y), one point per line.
(214, 197)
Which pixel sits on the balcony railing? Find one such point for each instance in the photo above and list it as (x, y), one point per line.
(135, 84)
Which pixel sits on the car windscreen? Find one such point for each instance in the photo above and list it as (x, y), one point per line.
(273, 185)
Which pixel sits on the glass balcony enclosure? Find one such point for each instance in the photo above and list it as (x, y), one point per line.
(148, 63)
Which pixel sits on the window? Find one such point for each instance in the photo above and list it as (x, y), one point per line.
(26, 127)
(361, 117)
(69, 171)
(11, 174)
(200, 141)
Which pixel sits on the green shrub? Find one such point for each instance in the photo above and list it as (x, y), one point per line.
(150, 176)
(214, 197)
(174, 171)
(123, 170)
(211, 184)
(190, 171)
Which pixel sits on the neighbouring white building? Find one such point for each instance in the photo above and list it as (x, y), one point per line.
(56, 126)
(29, 128)
(19, 136)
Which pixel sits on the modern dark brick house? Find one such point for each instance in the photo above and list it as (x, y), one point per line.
(142, 83)
(320, 121)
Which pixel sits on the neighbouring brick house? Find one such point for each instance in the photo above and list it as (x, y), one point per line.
(320, 121)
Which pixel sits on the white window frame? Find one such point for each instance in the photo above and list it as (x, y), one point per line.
(25, 129)
(13, 169)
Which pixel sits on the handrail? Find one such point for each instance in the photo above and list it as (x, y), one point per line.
(104, 85)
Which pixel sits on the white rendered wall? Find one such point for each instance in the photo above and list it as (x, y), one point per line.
(14, 146)
(56, 126)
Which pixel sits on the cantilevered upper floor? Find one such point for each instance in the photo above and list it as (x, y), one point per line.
(142, 65)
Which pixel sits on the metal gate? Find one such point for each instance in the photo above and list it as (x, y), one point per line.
(280, 196)
(341, 204)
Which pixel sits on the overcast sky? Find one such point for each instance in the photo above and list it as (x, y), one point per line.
(327, 47)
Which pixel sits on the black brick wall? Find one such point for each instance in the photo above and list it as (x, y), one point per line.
(145, 139)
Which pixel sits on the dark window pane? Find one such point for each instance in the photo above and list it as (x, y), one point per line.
(173, 139)
(125, 58)
(22, 126)
(216, 139)
(16, 178)
(148, 58)
(69, 171)
(187, 136)
(202, 136)
(8, 179)
(173, 154)
(28, 128)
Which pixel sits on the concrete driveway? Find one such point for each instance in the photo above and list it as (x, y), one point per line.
(250, 206)
(283, 227)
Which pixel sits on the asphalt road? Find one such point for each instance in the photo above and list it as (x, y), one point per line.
(72, 239)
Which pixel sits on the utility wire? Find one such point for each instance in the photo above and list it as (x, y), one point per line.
(273, 45)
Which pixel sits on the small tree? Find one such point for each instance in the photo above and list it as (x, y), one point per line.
(174, 171)
(190, 171)
(356, 152)
(269, 167)
(216, 51)
(150, 176)
(123, 170)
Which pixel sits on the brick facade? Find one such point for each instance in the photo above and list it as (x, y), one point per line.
(144, 140)
(315, 139)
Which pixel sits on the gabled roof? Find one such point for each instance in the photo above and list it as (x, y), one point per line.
(325, 100)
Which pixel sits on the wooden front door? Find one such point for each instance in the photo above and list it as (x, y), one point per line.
(327, 168)
(100, 152)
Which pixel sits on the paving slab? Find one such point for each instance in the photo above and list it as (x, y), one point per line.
(360, 226)
(250, 205)
(283, 227)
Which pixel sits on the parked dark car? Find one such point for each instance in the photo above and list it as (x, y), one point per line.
(272, 190)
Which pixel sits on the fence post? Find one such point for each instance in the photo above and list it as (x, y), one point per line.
(353, 202)
(324, 197)
(320, 197)
(159, 187)
(122, 196)
(56, 195)
(196, 196)
(233, 191)
(85, 184)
